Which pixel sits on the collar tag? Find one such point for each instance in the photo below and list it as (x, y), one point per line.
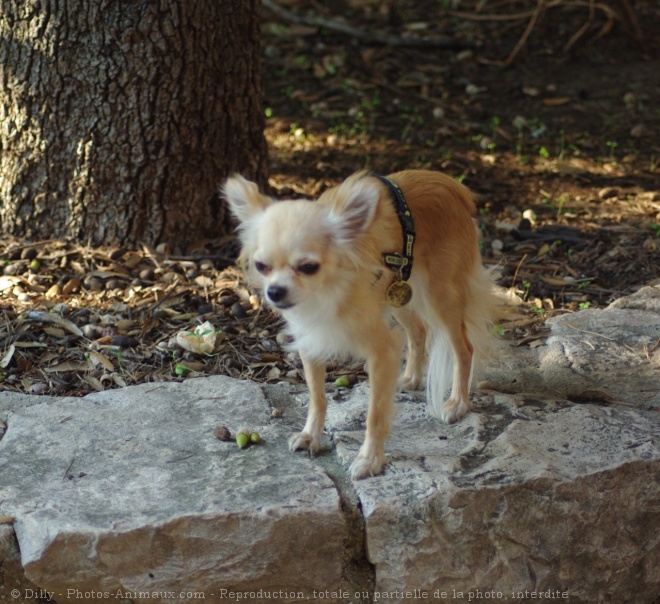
(395, 261)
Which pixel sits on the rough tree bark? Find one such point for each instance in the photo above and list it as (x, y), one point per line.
(119, 119)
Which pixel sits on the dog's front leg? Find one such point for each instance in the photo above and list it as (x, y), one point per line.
(384, 362)
(310, 437)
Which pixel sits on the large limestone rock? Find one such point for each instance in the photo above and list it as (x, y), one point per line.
(610, 355)
(128, 491)
(522, 495)
(533, 497)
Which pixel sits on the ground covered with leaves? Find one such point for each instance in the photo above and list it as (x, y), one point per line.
(549, 112)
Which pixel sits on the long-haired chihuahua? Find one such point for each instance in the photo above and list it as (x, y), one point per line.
(373, 249)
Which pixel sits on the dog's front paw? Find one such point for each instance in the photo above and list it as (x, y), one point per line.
(303, 440)
(365, 465)
(452, 410)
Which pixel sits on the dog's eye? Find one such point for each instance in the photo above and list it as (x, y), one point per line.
(261, 267)
(308, 268)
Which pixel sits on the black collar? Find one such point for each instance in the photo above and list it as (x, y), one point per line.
(401, 263)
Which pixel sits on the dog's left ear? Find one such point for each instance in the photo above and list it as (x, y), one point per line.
(355, 205)
(244, 198)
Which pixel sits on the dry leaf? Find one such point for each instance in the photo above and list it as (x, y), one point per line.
(556, 101)
(98, 359)
(86, 365)
(94, 383)
(30, 344)
(46, 317)
(555, 281)
(543, 250)
(6, 359)
(56, 332)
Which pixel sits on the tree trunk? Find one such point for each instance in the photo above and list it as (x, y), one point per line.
(119, 119)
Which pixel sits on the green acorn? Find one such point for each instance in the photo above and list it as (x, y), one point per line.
(346, 381)
(243, 438)
(180, 369)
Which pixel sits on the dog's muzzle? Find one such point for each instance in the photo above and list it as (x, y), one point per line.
(277, 295)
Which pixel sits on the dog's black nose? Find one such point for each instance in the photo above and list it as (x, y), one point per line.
(276, 293)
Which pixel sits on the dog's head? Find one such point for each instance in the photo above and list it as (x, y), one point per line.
(299, 248)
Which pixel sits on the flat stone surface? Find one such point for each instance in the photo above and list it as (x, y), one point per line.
(523, 494)
(609, 355)
(128, 490)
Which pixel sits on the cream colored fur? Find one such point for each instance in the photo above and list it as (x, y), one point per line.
(320, 264)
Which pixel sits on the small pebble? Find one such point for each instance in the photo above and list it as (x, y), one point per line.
(92, 332)
(227, 300)
(29, 253)
(71, 286)
(608, 193)
(114, 283)
(124, 341)
(270, 345)
(117, 254)
(629, 99)
(205, 309)
(147, 274)
(14, 268)
(238, 311)
(94, 284)
(222, 433)
(283, 339)
(472, 89)
(638, 131)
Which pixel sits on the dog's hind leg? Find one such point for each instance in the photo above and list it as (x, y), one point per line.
(416, 355)
(450, 364)
(458, 403)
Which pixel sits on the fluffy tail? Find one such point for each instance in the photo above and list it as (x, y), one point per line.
(486, 304)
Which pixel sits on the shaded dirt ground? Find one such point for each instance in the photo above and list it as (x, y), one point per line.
(560, 148)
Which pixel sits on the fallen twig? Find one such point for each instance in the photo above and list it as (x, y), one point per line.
(66, 472)
(528, 30)
(369, 37)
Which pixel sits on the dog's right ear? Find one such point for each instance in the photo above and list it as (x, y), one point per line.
(244, 198)
(354, 205)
